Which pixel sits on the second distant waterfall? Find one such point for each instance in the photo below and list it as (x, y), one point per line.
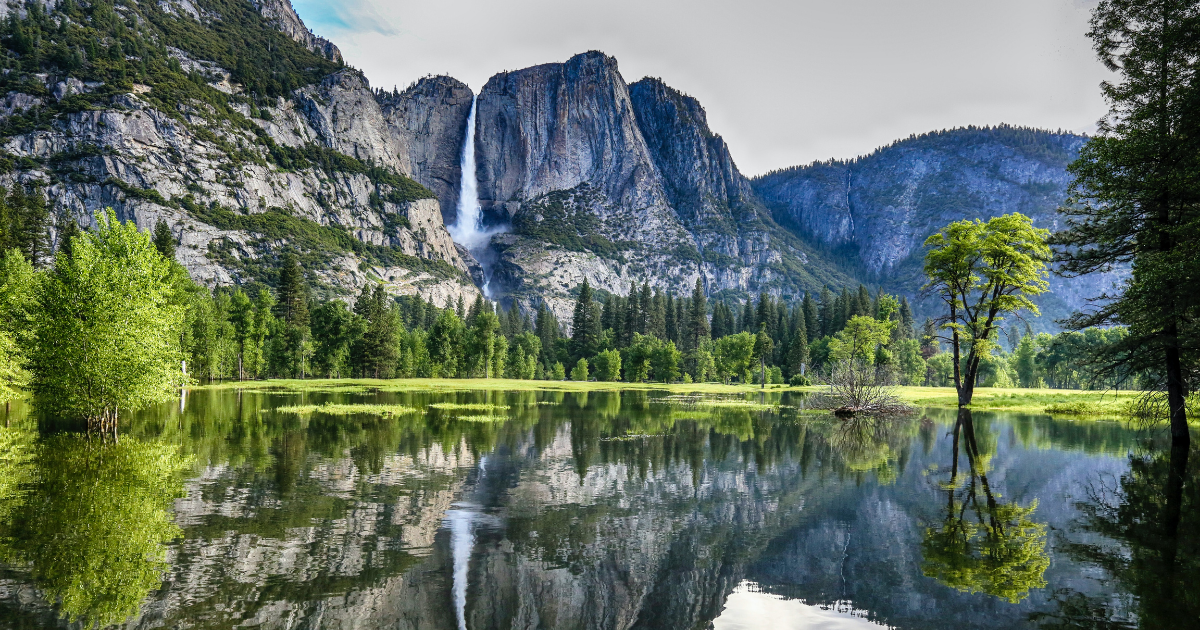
(468, 229)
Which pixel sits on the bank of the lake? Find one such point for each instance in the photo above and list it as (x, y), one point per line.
(1061, 402)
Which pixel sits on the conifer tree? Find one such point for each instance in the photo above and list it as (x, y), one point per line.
(698, 329)
(584, 333)
(164, 240)
(812, 320)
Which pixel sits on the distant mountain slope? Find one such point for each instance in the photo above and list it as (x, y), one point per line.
(875, 212)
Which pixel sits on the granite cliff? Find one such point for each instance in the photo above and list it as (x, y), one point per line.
(621, 183)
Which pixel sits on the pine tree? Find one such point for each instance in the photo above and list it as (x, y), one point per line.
(584, 338)
(828, 309)
(698, 329)
(293, 293)
(32, 234)
(812, 319)
(164, 240)
(66, 237)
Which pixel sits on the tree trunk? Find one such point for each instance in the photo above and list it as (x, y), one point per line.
(1176, 475)
(1176, 391)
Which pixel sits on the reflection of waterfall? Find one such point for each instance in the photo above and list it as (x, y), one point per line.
(462, 543)
(468, 229)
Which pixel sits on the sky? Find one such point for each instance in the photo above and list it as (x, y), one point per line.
(785, 82)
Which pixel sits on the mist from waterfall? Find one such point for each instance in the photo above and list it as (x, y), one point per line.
(467, 229)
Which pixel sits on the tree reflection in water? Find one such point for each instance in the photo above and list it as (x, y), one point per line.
(983, 544)
(92, 526)
(1144, 532)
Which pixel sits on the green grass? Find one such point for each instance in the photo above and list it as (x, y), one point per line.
(1050, 401)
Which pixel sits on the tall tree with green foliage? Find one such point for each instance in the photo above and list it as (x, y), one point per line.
(585, 323)
(107, 334)
(1134, 199)
(982, 272)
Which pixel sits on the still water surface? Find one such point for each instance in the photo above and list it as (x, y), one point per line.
(589, 510)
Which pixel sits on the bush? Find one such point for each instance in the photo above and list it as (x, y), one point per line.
(799, 380)
(558, 372)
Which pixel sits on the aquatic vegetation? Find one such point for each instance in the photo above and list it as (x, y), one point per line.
(468, 407)
(338, 409)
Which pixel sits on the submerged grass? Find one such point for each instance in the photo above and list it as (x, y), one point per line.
(1051, 401)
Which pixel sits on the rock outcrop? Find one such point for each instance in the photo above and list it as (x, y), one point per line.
(284, 17)
(429, 122)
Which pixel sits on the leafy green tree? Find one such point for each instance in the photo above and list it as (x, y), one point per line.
(983, 544)
(1134, 195)
(697, 328)
(608, 366)
(558, 372)
(482, 351)
(982, 272)
(859, 339)
(1025, 358)
(107, 334)
(580, 371)
(733, 356)
(909, 360)
(94, 528)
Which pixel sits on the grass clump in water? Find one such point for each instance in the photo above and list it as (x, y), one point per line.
(337, 409)
(468, 407)
(1075, 408)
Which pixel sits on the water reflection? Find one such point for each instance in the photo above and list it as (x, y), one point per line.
(604, 510)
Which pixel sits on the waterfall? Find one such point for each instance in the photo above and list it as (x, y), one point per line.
(468, 229)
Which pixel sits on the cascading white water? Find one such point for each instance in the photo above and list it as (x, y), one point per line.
(468, 229)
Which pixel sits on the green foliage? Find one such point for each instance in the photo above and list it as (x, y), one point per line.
(982, 272)
(608, 366)
(580, 371)
(107, 332)
(859, 339)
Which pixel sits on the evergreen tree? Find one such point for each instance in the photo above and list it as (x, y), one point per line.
(1135, 193)
(584, 324)
(797, 355)
(547, 333)
(828, 309)
(812, 319)
(164, 240)
(32, 234)
(292, 306)
(672, 329)
(66, 236)
(698, 329)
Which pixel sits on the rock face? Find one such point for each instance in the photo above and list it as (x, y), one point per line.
(320, 170)
(618, 183)
(429, 120)
(878, 210)
(284, 17)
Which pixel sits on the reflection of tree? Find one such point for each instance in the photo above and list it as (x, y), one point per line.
(984, 545)
(93, 527)
(1149, 543)
(864, 444)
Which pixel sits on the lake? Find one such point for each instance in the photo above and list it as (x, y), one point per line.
(606, 509)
